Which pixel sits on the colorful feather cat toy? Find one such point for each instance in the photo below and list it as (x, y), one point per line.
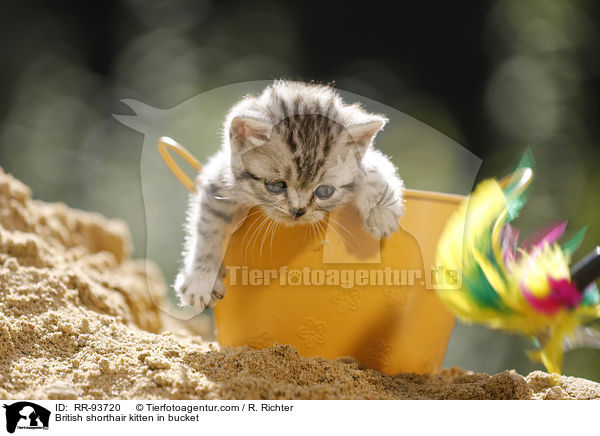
(527, 288)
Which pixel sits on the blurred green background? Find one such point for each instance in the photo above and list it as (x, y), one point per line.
(493, 76)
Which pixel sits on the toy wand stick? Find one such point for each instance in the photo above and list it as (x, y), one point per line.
(584, 272)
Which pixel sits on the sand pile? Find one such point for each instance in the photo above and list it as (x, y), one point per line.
(77, 321)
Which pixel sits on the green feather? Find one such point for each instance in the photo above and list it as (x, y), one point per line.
(591, 296)
(573, 244)
(515, 196)
(527, 160)
(477, 283)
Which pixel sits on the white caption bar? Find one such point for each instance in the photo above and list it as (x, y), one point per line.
(88, 418)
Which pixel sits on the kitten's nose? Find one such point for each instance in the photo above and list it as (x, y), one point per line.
(297, 213)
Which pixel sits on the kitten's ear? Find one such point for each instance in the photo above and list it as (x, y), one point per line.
(362, 134)
(249, 132)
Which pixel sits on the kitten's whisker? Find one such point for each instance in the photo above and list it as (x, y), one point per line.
(246, 233)
(255, 227)
(246, 245)
(280, 209)
(255, 223)
(343, 227)
(262, 239)
(323, 227)
(242, 245)
(242, 220)
(257, 232)
(265, 235)
(319, 232)
(272, 236)
(254, 237)
(355, 247)
(269, 232)
(313, 232)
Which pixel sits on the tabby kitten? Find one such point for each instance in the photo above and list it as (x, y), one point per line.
(297, 151)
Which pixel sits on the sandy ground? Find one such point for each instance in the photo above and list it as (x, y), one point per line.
(76, 321)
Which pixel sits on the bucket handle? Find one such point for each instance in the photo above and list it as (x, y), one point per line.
(166, 144)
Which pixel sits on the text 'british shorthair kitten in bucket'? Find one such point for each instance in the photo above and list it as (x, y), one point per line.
(297, 151)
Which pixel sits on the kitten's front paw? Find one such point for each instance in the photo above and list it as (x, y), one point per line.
(199, 290)
(382, 221)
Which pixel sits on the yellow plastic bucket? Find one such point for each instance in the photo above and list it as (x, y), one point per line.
(336, 291)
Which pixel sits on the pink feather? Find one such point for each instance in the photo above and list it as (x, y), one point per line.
(549, 235)
(563, 294)
(510, 240)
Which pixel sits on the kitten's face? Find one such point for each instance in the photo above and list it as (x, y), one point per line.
(304, 168)
(296, 150)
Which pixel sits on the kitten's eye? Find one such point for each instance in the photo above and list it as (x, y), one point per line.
(276, 187)
(324, 191)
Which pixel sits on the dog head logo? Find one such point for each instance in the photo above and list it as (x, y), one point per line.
(26, 415)
(196, 123)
